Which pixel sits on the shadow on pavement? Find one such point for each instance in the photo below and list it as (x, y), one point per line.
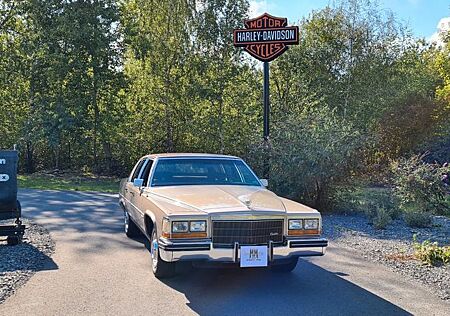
(309, 290)
(82, 211)
(93, 216)
(24, 257)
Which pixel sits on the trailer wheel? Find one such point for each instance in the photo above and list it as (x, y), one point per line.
(13, 240)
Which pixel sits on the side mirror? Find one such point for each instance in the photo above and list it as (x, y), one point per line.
(138, 182)
(264, 182)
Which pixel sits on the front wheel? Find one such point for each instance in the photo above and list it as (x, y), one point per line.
(161, 269)
(131, 229)
(285, 267)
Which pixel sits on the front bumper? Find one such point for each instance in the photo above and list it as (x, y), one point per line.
(171, 251)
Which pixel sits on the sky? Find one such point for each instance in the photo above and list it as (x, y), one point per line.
(421, 16)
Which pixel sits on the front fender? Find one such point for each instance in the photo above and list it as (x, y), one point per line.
(149, 215)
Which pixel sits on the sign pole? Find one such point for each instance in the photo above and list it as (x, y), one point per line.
(266, 37)
(266, 102)
(266, 129)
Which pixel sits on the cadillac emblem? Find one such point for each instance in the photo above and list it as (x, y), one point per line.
(266, 37)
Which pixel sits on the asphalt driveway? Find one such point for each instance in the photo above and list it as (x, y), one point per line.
(101, 272)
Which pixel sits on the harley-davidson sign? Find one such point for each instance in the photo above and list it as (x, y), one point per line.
(266, 37)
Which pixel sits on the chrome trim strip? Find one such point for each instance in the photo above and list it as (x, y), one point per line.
(231, 255)
(270, 250)
(248, 215)
(142, 169)
(235, 252)
(142, 213)
(322, 242)
(152, 171)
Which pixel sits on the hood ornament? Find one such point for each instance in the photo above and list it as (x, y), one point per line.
(246, 200)
(247, 203)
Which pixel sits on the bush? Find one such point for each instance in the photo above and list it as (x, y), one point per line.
(348, 199)
(417, 219)
(382, 218)
(309, 152)
(419, 190)
(367, 200)
(431, 253)
(370, 210)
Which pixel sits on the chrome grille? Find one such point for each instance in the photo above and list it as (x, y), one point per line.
(248, 232)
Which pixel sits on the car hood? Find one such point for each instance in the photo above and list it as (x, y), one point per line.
(211, 198)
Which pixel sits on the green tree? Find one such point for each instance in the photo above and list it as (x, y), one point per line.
(200, 93)
(75, 70)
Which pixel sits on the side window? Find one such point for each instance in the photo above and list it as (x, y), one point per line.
(136, 170)
(146, 172)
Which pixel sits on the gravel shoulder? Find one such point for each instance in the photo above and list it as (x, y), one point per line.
(19, 263)
(393, 247)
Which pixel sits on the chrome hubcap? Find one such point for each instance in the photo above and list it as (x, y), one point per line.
(154, 252)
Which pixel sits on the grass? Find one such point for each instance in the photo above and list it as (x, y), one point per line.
(69, 182)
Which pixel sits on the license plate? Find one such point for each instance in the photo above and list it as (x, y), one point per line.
(253, 256)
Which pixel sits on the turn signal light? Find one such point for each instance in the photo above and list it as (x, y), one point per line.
(302, 232)
(188, 235)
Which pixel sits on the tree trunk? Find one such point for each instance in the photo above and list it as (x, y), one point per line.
(319, 195)
(169, 129)
(29, 158)
(108, 156)
(96, 119)
(56, 153)
(221, 137)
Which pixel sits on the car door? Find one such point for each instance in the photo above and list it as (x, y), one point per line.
(138, 199)
(130, 188)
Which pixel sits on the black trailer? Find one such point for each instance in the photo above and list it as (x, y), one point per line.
(9, 205)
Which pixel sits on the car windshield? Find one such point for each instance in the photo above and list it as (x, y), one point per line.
(201, 171)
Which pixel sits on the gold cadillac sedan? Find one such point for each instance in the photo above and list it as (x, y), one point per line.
(212, 210)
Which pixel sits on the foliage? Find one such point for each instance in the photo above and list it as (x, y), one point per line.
(320, 148)
(200, 94)
(439, 149)
(363, 198)
(414, 218)
(418, 187)
(441, 64)
(381, 219)
(90, 86)
(431, 253)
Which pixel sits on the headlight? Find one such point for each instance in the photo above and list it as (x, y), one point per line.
(311, 223)
(197, 226)
(180, 227)
(295, 224)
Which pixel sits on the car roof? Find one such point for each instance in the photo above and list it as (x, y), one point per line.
(188, 155)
